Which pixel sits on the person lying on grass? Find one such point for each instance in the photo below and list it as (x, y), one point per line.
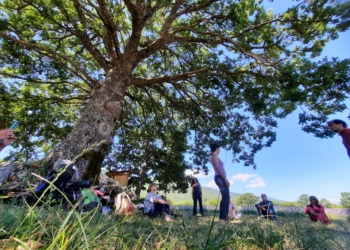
(155, 205)
(265, 208)
(316, 211)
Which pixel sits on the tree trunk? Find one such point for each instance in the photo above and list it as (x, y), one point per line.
(93, 134)
(141, 180)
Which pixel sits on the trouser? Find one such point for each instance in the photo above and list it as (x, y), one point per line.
(159, 209)
(225, 196)
(197, 197)
(269, 212)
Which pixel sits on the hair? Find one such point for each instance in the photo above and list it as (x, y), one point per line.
(192, 181)
(150, 186)
(338, 121)
(263, 195)
(314, 198)
(213, 147)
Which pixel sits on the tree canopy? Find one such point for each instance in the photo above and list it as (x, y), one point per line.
(164, 78)
(303, 199)
(246, 199)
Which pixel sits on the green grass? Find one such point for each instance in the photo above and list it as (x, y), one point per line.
(57, 229)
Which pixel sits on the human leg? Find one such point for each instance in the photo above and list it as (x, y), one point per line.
(225, 194)
(200, 205)
(195, 199)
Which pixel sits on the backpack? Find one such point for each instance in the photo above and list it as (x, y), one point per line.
(123, 204)
(87, 199)
(60, 183)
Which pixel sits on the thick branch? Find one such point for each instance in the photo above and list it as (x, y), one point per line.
(84, 38)
(54, 55)
(111, 29)
(150, 81)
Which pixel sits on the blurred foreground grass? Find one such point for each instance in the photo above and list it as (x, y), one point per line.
(52, 228)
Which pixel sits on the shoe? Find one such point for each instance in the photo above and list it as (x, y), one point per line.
(203, 215)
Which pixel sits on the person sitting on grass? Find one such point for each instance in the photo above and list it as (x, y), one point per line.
(316, 211)
(155, 205)
(231, 210)
(265, 208)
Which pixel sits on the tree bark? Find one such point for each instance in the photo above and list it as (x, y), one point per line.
(93, 134)
(141, 180)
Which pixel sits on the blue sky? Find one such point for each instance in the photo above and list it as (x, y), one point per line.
(297, 163)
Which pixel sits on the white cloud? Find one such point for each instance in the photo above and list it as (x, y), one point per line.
(243, 177)
(256, 182)
(211, 184)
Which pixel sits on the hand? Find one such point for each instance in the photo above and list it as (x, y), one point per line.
(7, 134)
(227, 183)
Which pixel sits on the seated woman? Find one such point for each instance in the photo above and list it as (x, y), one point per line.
(316, 211)
(231, 210)
(265, 208)
(155, 205)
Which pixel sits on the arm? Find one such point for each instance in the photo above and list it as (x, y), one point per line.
(319, 209)
(200, 188)
(192, 191)
(218, 169)
(161, 201)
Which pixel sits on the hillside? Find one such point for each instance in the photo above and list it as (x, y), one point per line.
(208, 195)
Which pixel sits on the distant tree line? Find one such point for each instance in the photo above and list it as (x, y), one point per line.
(249, 199)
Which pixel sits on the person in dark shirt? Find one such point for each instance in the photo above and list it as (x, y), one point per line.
(340, 127)
(197, 196)
(265, 208)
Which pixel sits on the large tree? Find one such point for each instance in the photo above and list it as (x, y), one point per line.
(79, 72)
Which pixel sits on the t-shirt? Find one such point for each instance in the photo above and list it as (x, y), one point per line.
(149, 201)
(345, 134)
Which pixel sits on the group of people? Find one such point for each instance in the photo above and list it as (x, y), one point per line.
(154, 204)
(265, 208)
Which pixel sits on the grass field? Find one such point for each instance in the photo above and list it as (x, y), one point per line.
(51, 228)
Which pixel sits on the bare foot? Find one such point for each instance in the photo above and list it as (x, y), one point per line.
(168, 219)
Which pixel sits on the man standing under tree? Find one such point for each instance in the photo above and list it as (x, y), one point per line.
(341, 128)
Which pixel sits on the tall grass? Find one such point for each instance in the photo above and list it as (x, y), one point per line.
(54, 228)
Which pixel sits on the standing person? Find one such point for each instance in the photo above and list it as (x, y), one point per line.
(265, 208)
(341, 128)
(316, 211)
(155, 205)
(6, 138)
(196, 196)
(221, 181)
